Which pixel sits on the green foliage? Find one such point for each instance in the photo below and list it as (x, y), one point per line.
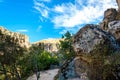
(16, 63)
(9, 55)
(66, 48)
(32, 62)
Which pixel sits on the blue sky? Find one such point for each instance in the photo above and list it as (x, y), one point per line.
(43, 19)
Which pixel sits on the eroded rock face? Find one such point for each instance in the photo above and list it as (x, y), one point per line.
(109, 15)
(50, 45)
(12, 45)
(12, 37)
(89, 36)
(114, 29)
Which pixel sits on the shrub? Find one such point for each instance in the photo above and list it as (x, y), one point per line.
(30, 63)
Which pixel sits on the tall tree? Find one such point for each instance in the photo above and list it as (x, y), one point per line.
(66, 48)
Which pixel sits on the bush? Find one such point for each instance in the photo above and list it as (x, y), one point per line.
(31, 63)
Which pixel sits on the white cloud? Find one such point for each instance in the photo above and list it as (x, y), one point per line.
(76, 14)
(40, 6)
(70, 14)
(38, 29)
(22, 30)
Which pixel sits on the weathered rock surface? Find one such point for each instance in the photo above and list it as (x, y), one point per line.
(50, 45)
(68, 70)
(12, 44)
(91, 35)
(109, 15)
(74, 69)
(13, 37)
(85, 41)
(114, 29)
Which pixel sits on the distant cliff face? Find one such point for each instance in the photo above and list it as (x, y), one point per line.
(10, 38)
(50, 45)
(12, 45)
(7, 36)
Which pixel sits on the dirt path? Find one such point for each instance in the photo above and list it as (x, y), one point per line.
(45, 75)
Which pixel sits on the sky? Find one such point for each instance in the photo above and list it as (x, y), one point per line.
(46, 19)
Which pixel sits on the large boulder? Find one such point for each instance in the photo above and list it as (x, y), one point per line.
(114, 29)
(91, 35)
(85, 65)
(98, 51)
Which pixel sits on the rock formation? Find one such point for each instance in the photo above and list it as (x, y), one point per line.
(13, 37)
(85, 42)
(50, 45)
(11, 40)
(114, 29)
(91, 35)
(109, 15)
(111, 20)
(97, 48)
(12, 45)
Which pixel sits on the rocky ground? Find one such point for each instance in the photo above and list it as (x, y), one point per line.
(45, 75)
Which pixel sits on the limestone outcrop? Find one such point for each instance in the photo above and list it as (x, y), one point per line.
(13, 37)
(50, 45)
(12, 45)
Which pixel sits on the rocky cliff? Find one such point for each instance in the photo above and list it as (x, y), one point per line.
(98, 51)
(50, 45)
(13, 37)
(12, 45)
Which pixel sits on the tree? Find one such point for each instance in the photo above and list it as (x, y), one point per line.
(9, 55)
(66, 48)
